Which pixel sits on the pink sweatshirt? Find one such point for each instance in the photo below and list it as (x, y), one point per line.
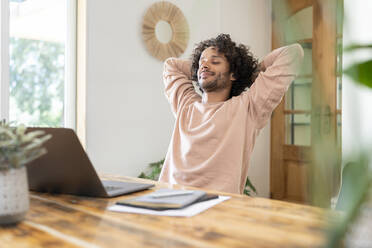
(212, 143)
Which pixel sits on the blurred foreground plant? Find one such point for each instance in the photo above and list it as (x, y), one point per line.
(17, 147)
(355, 193)
(356, 187)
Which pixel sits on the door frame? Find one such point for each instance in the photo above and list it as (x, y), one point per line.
(324, 107)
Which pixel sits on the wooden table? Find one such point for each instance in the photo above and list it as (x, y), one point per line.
(72, 221)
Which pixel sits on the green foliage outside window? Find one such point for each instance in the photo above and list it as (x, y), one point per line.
(36, 82)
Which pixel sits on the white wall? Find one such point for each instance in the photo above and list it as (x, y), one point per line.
(356, 99)
(129, 122)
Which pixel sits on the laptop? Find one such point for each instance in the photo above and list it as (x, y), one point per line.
(66, 169)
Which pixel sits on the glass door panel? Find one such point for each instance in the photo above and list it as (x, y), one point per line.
(298, 130)
(339, 128)
(340, 15)
(298, 96)
(300, 26)
(297, 105)
(307, 64)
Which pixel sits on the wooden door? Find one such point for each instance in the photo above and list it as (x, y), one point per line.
(310, 108)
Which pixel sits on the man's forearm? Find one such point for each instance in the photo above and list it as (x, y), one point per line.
(181, 65)
(287, 56)
(260, 68)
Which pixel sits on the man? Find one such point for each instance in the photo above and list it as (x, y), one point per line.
(214, 133)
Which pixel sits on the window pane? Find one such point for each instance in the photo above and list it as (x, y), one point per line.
(340, 16)
(307, 65)
(339, 73)
(298, 96)
(298, 130)
(302, 23)
(339, 129)
(339, 56)
(339, 93)
(37, 62)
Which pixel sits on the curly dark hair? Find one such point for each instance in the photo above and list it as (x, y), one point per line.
(243, 64)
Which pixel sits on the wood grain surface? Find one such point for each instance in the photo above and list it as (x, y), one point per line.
(73, 221)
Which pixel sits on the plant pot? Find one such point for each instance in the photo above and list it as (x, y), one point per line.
(14, 197)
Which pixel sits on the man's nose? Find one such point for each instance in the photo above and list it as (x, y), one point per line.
(204, 65)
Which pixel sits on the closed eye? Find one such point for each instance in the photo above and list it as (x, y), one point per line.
(213, 62)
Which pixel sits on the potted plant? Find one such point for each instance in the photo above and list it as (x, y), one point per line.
(17, 148)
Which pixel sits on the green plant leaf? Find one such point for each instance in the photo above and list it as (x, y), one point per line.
(354, 47)
(31, 135)
(361, 73)
(21, 129)
(142, 175)
(157, 164)
(152, 171)
(248, 184)
(18, 148)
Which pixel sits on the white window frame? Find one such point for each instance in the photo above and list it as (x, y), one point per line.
(4, 60)
(70, 63)
(81, 74)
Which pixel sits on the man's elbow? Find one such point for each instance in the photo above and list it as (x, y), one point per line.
(296, 57)
(297, 51)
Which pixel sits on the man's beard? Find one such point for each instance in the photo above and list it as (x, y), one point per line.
(220, 83)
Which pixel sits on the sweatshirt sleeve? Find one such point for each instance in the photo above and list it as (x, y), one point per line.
(265, 94)
(177, 82)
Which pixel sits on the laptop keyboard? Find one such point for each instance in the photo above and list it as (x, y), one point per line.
(111, 188)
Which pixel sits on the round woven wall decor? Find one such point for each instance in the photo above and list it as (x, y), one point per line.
(168, 12)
